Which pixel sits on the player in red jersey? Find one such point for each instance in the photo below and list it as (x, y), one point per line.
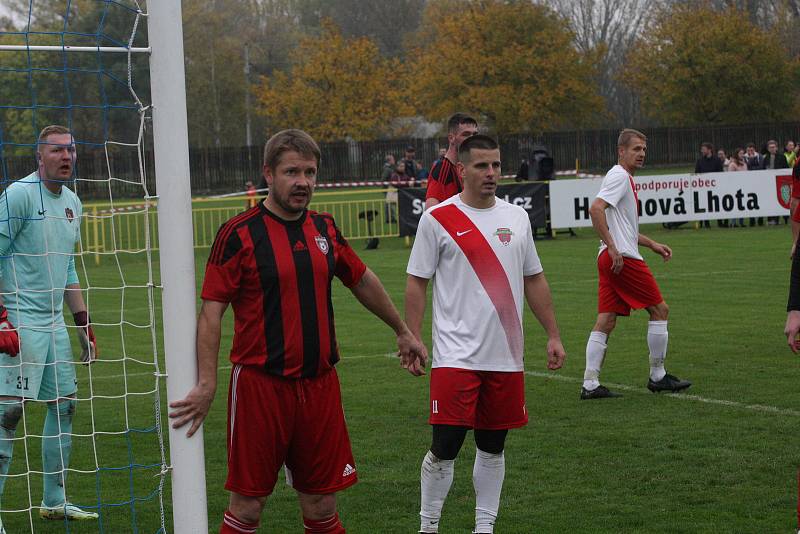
(625, 279)
(444, 181)
(274, 264)
(794, 205)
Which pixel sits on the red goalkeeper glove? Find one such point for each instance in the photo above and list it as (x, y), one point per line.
(9, 340)
(86, 337)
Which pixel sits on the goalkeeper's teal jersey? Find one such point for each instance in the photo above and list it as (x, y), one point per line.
(43, 229)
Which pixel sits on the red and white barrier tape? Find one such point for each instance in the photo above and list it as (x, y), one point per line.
(365, 183)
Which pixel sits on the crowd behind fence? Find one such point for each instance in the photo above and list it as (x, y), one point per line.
(227, 169)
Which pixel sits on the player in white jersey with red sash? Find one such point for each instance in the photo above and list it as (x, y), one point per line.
(625, 279)
(479, 251)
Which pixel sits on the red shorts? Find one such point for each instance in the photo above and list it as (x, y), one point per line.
(486, 400)
(633, 287)
(298, 422)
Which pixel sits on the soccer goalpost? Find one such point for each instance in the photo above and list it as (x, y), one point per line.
(119, 466)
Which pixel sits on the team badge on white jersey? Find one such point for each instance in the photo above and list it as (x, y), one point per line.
(504, 235)
(322, 243)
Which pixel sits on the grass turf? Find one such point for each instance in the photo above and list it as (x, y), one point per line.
(721, 457)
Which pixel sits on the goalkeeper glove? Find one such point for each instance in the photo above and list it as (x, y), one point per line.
(85, 336)
(9, 340)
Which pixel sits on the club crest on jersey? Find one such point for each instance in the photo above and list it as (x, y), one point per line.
(322, 243)
(504, 235)
(69, 214)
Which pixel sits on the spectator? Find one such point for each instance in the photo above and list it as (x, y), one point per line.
(774, 159)
(789, 153)
(737, 163)
(410, 164)
(388, 168)
(422, 172)
(723, 157)
(397, 178)
(708, 162)
(752, 158)
(522, 173)
(442, 153)
(251, 195)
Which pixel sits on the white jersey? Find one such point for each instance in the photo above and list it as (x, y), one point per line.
(477, 258)
(622, 214)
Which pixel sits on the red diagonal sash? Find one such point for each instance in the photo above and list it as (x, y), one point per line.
(487, 267)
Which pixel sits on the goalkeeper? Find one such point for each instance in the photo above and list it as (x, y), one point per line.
(39, 227)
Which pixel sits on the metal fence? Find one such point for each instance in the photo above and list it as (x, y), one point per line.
(226, 169)
(133, 227)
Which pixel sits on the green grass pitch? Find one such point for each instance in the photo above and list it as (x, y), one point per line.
(722, 458)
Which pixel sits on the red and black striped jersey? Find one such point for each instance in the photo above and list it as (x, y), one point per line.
(443, 181)
(277, 275)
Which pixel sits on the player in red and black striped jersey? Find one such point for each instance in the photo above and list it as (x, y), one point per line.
(287, 326)
(274, 265)
(443, 180)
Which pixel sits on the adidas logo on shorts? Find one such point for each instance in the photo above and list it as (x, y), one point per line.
(348, 470)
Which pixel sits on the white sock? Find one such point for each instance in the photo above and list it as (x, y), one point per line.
(657, 338)
(436, 477)
(595, 353)
(487, 478)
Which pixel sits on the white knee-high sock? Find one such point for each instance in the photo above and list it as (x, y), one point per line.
(436, 477)
(487, 479)
(595, 353)
(657, 338)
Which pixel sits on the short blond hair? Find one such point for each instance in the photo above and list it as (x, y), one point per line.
(627, 134)
(47, 131)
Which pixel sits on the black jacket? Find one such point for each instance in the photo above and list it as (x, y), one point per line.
(704, 164)
(780, 161)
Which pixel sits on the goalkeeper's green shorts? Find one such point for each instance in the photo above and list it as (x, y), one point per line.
(43, 370)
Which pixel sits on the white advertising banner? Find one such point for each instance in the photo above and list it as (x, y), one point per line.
(681, 197)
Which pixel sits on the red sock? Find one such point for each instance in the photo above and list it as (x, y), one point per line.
(233, 525)
(332, 525)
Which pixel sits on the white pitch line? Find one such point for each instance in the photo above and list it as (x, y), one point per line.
(682, 396)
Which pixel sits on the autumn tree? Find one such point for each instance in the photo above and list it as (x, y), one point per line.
(337, 88)
(699, 66)
(84, 90)
(228, 44)
(513, 62)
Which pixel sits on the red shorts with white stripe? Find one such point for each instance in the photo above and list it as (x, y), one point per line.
(296, 422)
(486, 400)
(633, 287)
